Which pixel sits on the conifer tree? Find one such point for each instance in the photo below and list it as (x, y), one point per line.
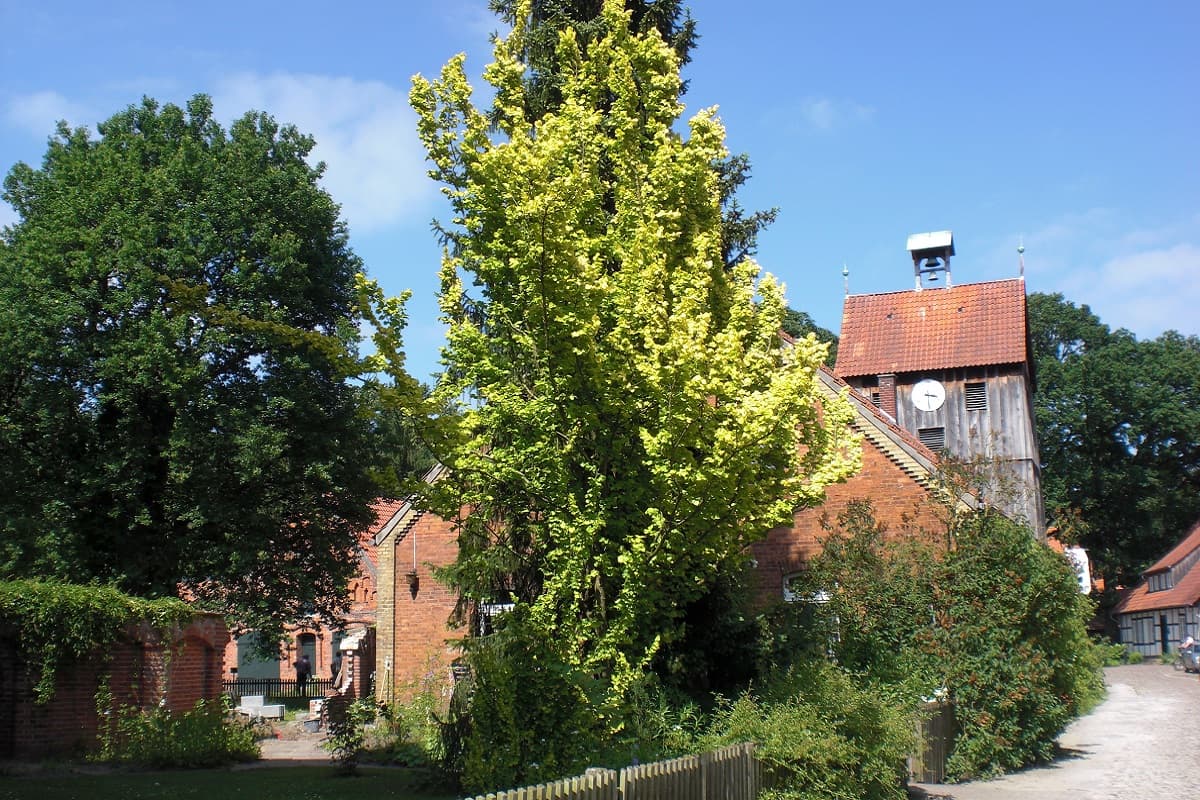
(544, 20)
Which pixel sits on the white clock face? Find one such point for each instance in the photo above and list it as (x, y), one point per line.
(928, 395)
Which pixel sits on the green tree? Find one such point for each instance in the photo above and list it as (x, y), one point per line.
(177, 326)
(1118, 425)
(635, 419)
(544, 20)
(400, 455)
(799, 324)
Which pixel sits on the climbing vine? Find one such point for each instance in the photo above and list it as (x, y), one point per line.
(58, 623)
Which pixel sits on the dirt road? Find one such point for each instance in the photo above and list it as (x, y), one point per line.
(1143, 741)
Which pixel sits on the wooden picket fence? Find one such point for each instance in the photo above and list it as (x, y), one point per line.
(731, 773)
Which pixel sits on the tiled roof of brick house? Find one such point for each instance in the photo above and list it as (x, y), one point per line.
(385, 511)
(1185, 592)
(975, 324)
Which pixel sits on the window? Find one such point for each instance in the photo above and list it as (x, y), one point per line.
(795, 591)
(876, 399)
(1143, 631)
(933, 438)
(791, 594)
(487, 612)
(257, 658)
(1159, 582)
(976, 397)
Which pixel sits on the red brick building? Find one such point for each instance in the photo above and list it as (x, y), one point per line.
(141, 670)
(897, 476)
(415, 640)
(320, 642)
(414, 636)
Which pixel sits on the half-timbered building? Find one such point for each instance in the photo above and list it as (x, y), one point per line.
(1164, 608)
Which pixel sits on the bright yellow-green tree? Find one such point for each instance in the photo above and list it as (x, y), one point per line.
(630, 419)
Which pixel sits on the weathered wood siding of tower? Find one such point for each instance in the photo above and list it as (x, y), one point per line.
(974, 340)
(995, 430)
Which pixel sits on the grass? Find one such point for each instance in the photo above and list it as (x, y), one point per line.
(266, 783)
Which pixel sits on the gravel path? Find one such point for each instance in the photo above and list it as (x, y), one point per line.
(293, 745)
(1142, 741)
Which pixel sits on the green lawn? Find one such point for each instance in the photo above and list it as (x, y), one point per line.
(265, 783)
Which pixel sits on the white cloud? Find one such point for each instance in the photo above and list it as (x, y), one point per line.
(365, 133)
(825, 114)
(40, 112)
(1143, 278)
(1151, 291)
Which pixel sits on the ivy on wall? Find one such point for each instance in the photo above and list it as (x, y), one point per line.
(55, 624)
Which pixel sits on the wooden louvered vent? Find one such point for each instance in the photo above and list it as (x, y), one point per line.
(933, 438)
(976, 396)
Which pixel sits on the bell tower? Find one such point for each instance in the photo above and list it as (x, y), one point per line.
(952, 366)
(931, 255)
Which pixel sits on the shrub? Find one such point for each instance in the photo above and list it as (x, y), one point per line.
(205, 736)
(1112, 653)
(347, 733)
(997, 619)
(820, 734)
(1018, 660)
(524, 714)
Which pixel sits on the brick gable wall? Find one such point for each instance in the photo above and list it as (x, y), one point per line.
(415, 640)
(898, 501)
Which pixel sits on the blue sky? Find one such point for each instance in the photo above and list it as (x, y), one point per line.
(1070, 126)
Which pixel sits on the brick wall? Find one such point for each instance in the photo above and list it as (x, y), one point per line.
(415, 640)
(140, 673)
(898, 501)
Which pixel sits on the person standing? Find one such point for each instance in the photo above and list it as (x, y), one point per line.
(303, 671)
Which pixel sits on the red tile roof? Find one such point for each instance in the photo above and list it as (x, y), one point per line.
(384, 511)
(1178, 552)
(1185, 592)
(972, 325)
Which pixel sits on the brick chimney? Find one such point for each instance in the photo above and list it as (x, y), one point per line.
(887, 393)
